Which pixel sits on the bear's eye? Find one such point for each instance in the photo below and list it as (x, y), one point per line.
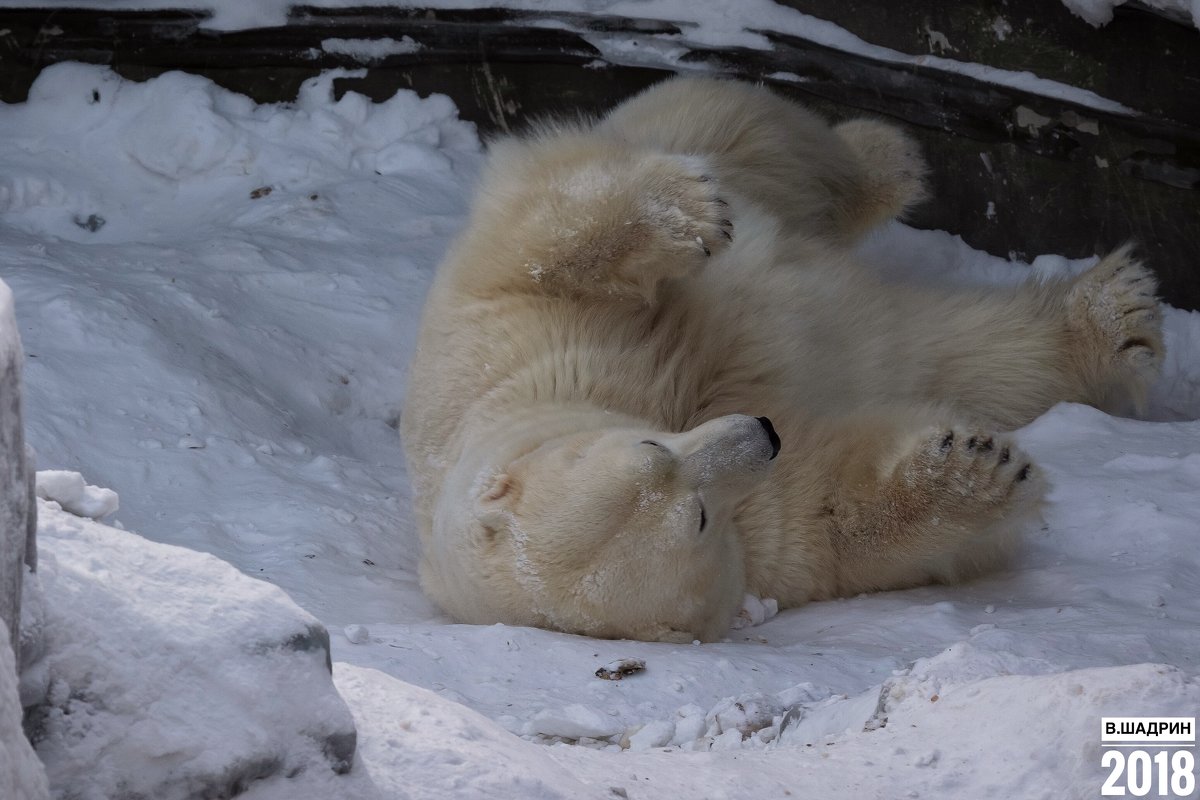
(653, 444)
(703, 518)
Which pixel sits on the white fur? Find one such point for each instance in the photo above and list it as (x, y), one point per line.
(594, 342)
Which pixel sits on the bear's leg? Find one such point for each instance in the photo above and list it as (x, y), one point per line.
(830, 183)
(937, 505)
(1005, 356)
(587, 216)
(892, 178)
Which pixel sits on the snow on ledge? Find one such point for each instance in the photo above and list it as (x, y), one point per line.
(366, 51)
(705, 24)
(1099, 13)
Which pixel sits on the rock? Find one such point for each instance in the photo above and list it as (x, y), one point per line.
(21, 774)
(17, 519)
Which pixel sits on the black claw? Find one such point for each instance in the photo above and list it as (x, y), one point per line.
(984, 444)
(707, 252)
(1024, 473)
(948, 441)
(727, 235)
(1004, 455)
(720, 202)
(727, 223)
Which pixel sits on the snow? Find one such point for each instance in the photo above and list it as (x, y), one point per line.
(573, 722)
(274, 328)
(370, 50)
(169, 674)
(74, 495)
(210, 281)
(928, 739)
(1100, 12)
(417, 745)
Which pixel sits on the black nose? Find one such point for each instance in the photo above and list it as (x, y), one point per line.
(771, 434)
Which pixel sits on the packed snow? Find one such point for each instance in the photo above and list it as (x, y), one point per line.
(74, 495)
(166, 673)
(218, 301)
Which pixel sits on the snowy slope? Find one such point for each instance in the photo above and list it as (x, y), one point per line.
(227, 350)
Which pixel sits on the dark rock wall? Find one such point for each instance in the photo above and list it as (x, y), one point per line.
(18, 522)
(1014, 173)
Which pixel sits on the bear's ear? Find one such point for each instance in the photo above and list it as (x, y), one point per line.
(495, 499)
(497, 487)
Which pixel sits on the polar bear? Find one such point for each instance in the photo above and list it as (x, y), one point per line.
(651, 378)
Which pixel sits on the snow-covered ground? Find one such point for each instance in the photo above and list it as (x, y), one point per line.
(218, 301)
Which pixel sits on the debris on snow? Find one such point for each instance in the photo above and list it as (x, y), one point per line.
(621, 668)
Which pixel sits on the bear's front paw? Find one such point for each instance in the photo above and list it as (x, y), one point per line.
(623, 225)
(960, 470)
(682, 207)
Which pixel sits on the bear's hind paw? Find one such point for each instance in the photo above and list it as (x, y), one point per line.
(1114, 305)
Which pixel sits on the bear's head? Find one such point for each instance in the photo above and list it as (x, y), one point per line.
(618, 532)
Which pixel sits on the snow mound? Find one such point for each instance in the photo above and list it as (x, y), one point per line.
(155, 161)
(166, 673)
(242, 314)
(74, 495)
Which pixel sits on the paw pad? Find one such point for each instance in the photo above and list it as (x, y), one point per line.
(966, 468)
(684, 207)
